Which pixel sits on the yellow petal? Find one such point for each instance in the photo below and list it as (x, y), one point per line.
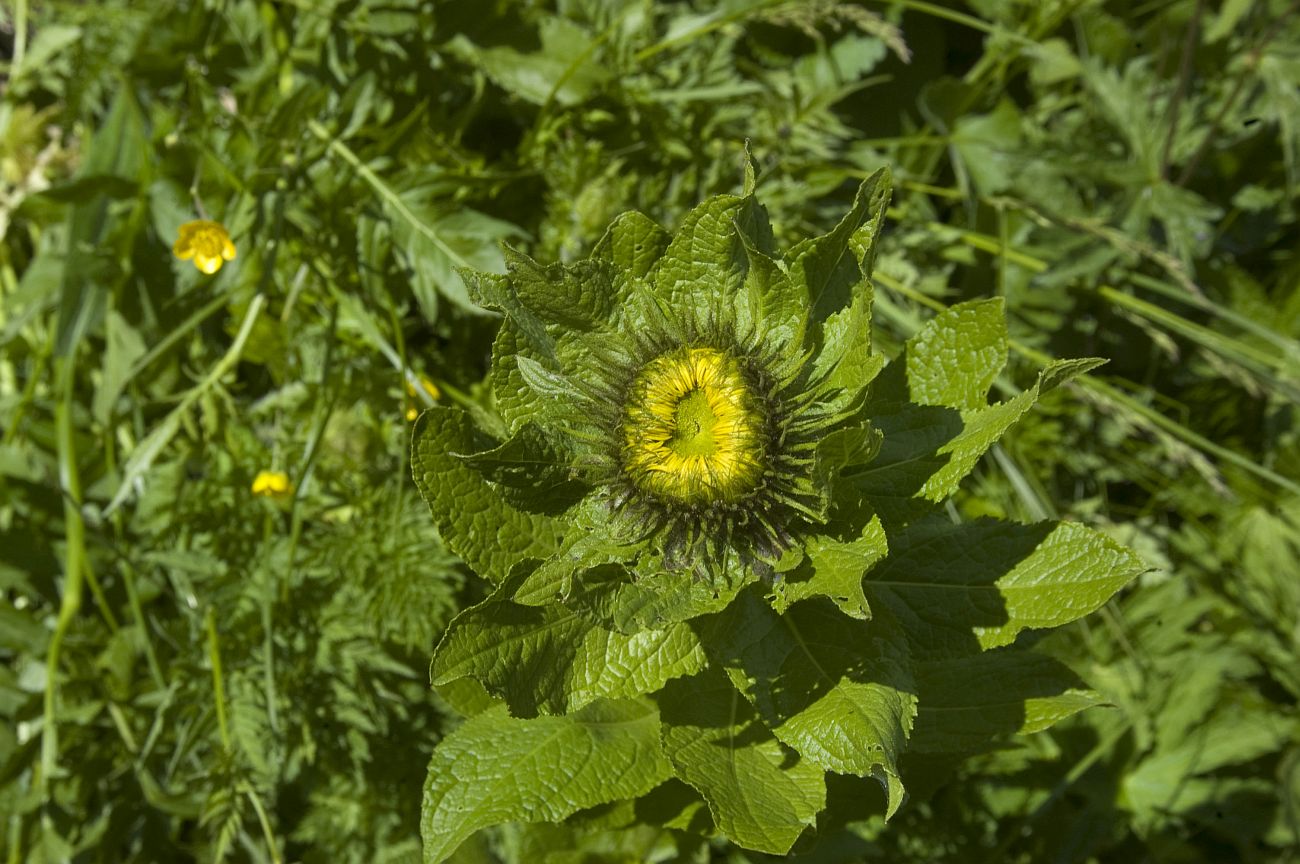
(183, 248)
(208, 264)
(227, 248)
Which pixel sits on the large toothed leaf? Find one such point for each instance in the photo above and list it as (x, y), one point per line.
(761, 794)
(967, 702)
(496, 768)
(475, 521)
(838, 691)
(845, 360)
(530, 470)
(660, 599)
(633, 243)
(928, 449)
(835, 568)
(704, 267)
(954, 359)
(832, 269)
(579, 295)
(959, 589)
(552, 659)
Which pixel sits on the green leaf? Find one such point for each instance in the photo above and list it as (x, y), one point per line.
(836, 690)
(966, 702)
(475, 521)
(633, 243)
(831, 268)
(552, 659)
(565, 69)
(578, 295)
(928, 449)
(834, 568)
(706, 263)
(760, 794)
(843, 450)
(959, 589)
(437, 244)
(659, 598)
(496, 768)
(845, 359)
(530, 471)
(1242, 730)
(987, 147)
(514, 400)
(955, 358)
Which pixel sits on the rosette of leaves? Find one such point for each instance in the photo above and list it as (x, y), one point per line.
(709, 515)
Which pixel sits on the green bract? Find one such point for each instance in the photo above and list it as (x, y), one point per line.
(709, 521)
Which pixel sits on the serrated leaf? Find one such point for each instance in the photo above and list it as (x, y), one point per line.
(835, 568)
(545, 383)
(831, 268)
(554, 660)
(845, 360)
(530, 471)
(954, 359)
(578, 295)
(705, 265)
(928, 449)
(496, 291)
(664, 598)
(956, 590)
(845, 449)
(634, 243)
(475, 521)
(838, 691)
(966, 702)
(514, 400)
(760, 794)
(496, 768)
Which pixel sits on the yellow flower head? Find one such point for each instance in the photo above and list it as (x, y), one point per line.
(693, 430)
(429, 387)
(272, 484)
(205, 241)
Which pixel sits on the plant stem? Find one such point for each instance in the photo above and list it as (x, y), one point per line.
(218, 686)
(74, 556)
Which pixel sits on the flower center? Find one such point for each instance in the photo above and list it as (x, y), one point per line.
(693, 429)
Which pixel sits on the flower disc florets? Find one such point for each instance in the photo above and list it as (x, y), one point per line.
(693, 428)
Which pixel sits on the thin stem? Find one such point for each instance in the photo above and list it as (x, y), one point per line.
(1184, 81)
(20, 34)
(73, 569)
(218, 685)
(266, 824)
(137, 615)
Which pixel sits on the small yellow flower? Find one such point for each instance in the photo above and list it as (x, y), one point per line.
(207, 242)
(429, 387)
(272, 484)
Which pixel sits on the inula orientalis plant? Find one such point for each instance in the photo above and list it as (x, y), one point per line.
(710, 517)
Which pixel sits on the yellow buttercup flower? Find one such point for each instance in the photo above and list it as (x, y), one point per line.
(272, 484)
(205, 241)
(429, 387)
(693, 430)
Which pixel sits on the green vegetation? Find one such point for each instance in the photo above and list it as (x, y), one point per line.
(222, 589)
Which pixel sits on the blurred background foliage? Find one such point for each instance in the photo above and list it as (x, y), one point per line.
(189, 671)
